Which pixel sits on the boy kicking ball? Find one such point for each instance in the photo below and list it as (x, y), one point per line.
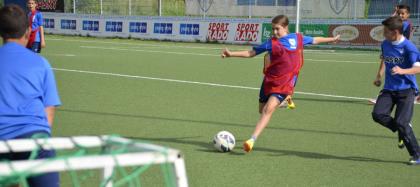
(286, 56)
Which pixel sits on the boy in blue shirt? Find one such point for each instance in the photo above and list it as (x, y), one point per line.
(404, 12)
(28, 92)
(36, 38)
(399, 90)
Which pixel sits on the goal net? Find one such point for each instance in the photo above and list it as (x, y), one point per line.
(121, 161)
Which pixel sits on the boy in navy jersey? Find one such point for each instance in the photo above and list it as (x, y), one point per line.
(399, 90)
(404, 12)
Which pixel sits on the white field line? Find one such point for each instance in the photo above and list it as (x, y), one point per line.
(202, 83)
(149, 51)
(215, 55)
(139, 44)
(58, 54)
(321, 51)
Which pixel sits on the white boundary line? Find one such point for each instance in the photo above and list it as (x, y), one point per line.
(321, 51)
(202, 83)
(59, 54)
(204, 54)
(149, 51)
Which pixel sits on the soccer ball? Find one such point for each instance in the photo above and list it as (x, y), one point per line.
(224, 141)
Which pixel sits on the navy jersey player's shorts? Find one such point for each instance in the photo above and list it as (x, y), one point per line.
(44, 180)
(264, 98)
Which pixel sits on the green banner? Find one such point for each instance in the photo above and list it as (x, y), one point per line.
(266, 32)
(313, 30)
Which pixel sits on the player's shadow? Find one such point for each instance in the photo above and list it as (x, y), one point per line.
(203, 146)
(312, 155)
(341, 101)
(208, 147)
(223, 124)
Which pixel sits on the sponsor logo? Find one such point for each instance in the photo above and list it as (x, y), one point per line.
(218, 31)
(377, 33)
(138, 27)
(247, 32)
(189, 29)
(68, 24)
(113, 26)
(337, 6)
(267, 32)
(314, 31)
(49, 23)
(162, 28)
(347, 32)
(292, 43)
(47, 5)
(90, 25)
(393, 60)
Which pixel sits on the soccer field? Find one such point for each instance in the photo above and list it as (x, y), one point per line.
(181, 94)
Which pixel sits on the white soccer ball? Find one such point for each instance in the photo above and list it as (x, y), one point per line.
(224, 141)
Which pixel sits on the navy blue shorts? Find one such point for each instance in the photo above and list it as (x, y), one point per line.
(44, 180)
(264, 98)
(36, 47)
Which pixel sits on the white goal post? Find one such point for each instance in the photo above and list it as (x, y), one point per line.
(138, 154)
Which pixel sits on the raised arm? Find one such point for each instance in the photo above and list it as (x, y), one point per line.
(318, 40)
(244, 54)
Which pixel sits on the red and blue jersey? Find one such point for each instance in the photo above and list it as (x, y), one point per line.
(286, 55)
(36, 19)
(289, 41)
(401, 53)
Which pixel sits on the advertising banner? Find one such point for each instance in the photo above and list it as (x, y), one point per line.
(358, 35)
(314, 30)
(43, 5)
(49, 23)
(240, 32)
(138, 27)
(247, 32)
(51, 5)
(218, 31)
(222, 30)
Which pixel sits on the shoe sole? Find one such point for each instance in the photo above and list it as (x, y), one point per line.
(247, 148)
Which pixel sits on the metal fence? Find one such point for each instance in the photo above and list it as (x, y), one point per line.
(126, 7)
(309, 9)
